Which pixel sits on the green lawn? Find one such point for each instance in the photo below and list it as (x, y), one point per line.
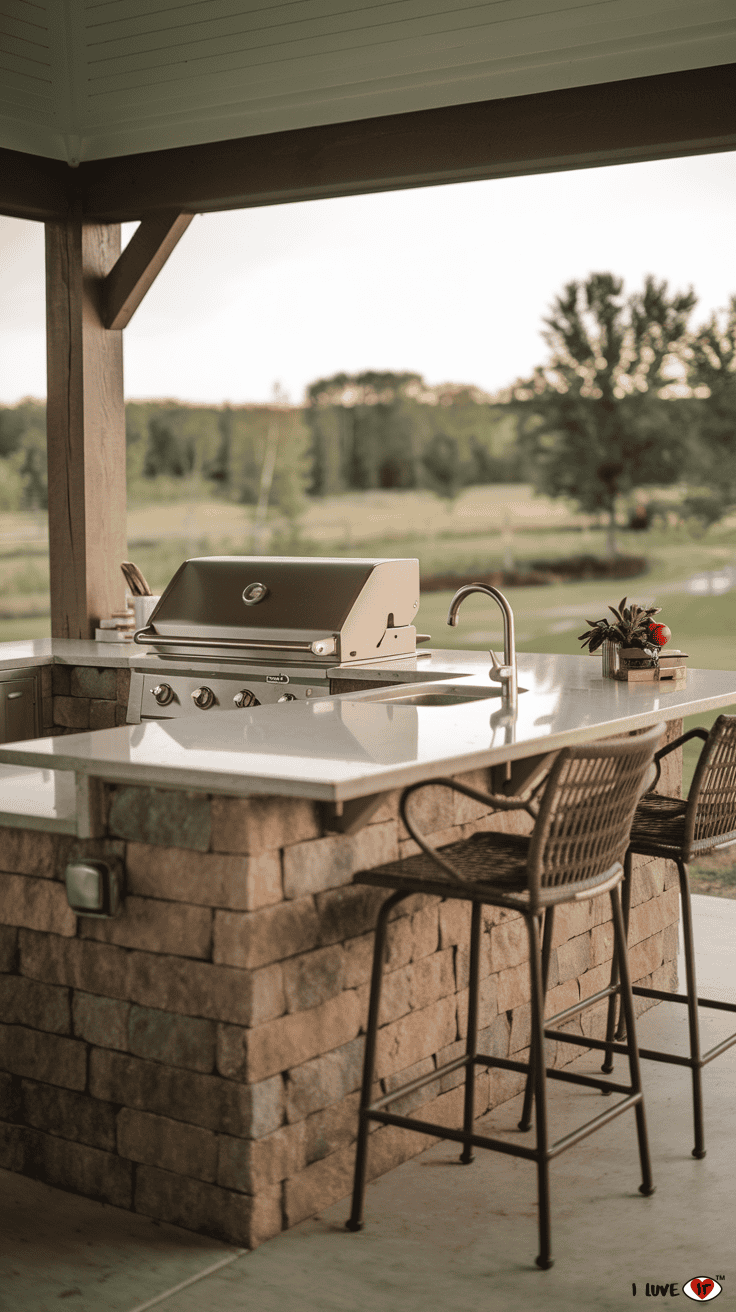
(18, 630)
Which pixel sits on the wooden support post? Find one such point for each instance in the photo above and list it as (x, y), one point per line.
(86, 429)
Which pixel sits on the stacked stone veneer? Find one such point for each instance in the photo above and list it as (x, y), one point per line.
(197, 1059)
(78, 697)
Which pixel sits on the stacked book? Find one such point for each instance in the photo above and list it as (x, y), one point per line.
(119, 628)
(672, 664)
(637, 666)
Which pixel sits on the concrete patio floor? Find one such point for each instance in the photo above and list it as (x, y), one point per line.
(439, 1237)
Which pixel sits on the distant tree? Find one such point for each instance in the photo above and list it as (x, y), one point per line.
(30, 462)
(597, 418)
(12, 491)
(485, 434)
(14, 420)
(442, 466)
(165, 452)
(365, 430)
(199, 436)
(274, 439)
(23, 456)
(380, 429)
(712, 380)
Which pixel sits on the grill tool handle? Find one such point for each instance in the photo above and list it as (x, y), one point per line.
(148, 637)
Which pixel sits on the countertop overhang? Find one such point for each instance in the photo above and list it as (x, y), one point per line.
(29, 652)
(343, 747)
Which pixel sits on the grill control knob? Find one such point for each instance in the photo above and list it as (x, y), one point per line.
(288, 697)
(163, 694)
(203, 698)
(245, 698)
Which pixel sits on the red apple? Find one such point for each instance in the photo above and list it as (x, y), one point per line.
(660, 634)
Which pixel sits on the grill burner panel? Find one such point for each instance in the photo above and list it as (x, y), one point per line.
(169, 694)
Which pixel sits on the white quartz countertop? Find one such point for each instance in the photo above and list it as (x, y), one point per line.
(66, 651)
(344, 747)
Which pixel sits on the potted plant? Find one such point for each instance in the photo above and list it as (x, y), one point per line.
(631, 641)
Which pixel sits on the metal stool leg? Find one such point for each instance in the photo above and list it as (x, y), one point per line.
(627, 1006)
(692, 999)
(692, 1009)
(607, 1066)
(526, 1114)
(537, 1064)
(361, 1155)
(471, 1048)
(626, 909)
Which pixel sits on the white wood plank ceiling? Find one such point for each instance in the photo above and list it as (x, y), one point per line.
(91, 79)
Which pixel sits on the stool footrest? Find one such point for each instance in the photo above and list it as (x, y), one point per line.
(653, 1054)
(577, 1007)
(568, 1140)
(443, 1132)
(682, 997)
(503, 1063)
(723, 1046)
(674, 1059)
(507, 1064)
(421, 1080)
(582, 1041)
(502, 1145)
(589, 1081)
(662, 994)
(570, 1076)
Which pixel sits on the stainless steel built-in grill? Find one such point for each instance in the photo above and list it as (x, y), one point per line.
(237, 631)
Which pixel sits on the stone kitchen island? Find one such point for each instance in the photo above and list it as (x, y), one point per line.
(197, 1057)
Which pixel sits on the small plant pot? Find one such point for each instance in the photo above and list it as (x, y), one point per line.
(637, 665)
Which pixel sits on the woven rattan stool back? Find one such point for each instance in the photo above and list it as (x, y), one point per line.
(711, 808)
(582, 830)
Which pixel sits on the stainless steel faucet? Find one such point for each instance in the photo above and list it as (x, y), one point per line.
(504, 674)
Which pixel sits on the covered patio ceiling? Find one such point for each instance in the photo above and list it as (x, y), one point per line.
(117, 110)
(88, 80)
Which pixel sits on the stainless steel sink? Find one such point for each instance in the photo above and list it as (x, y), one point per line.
(443, 698)
(435, 695)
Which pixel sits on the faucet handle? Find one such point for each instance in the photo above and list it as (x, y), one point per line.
(499, 672)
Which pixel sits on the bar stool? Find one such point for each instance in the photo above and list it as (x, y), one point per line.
(575, 852)
(679, 830)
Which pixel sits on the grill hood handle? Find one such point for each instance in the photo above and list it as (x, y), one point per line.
(149, 638)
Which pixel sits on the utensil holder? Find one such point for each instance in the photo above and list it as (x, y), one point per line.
(144, 607)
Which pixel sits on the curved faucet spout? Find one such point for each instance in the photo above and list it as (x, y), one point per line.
(504, 674)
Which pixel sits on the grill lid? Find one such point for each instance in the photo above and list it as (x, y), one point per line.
(299, 607)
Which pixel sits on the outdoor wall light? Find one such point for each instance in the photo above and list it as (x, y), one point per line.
(94, 888)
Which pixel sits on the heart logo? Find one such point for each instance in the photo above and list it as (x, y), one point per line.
(703, 1288)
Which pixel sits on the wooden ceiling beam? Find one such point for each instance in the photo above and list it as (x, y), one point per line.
(669, 115)
(32, 187)
(139, 264)
(673, 114)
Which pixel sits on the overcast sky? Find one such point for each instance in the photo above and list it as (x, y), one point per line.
(451, 282)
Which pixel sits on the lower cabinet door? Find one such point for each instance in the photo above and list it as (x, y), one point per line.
(17, 710)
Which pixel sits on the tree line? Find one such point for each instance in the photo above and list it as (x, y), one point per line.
(370, 430)
(630, 396)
